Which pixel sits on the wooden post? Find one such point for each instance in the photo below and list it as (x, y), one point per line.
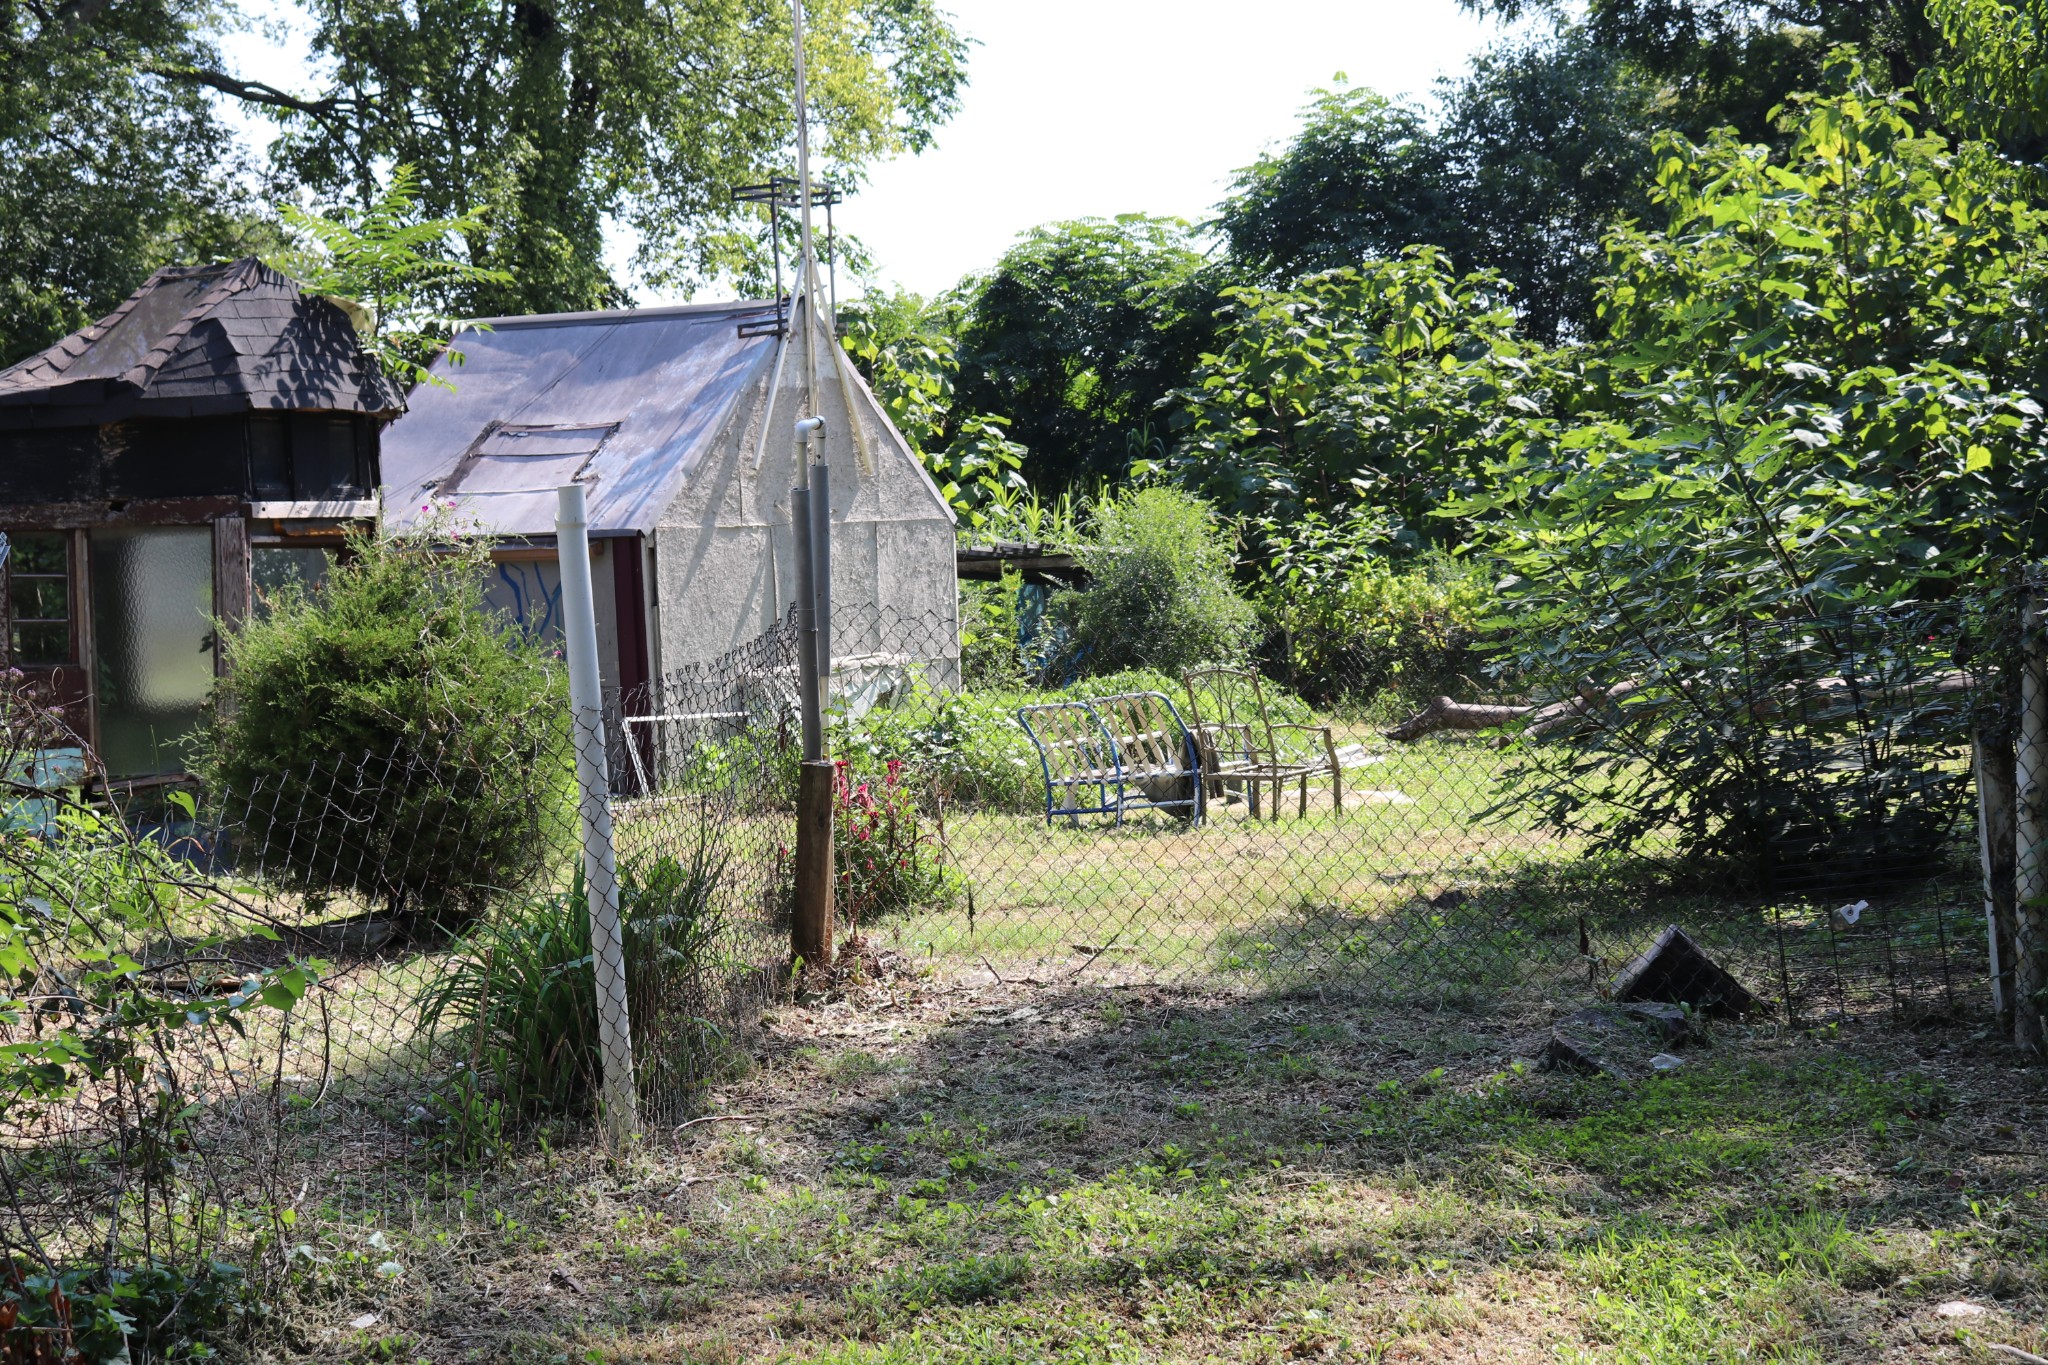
(1992, 757)
(2030, 918)
(233, 590)
(811, 931)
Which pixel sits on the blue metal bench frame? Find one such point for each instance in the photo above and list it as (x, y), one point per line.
(1113, 745)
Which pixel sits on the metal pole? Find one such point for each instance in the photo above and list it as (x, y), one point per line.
(807, 627)
(810, 931)
(809, 267)
(593, 783)
(2030, 927)
(821, 574)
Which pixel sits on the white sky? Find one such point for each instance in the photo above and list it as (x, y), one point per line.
(1090, 108)
(1080, 108)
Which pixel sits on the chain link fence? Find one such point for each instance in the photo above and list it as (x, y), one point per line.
(1794, 797)
(249, 1031)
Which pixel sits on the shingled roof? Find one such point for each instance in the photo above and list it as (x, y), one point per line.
(199, 341)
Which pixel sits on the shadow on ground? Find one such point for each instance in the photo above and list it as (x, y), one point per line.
(999, 1170)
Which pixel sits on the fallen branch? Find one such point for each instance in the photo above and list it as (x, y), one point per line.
(1445, 714)
(2026, 1357)
(715, 1118)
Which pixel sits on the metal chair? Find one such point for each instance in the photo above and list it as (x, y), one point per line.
(1109, 755)
(1239, 741)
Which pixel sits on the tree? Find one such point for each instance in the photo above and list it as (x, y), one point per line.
(1732, 63)
(558, 117)
(1383, 385)
(1077, 333)
(1532, 156)
(1823, 410)
(397, 269)
(904, 347)
(113, 168)
(1363, 178)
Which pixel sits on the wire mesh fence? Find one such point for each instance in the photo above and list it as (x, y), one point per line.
(254, 1027)
(260, 1026)
(1795, 797)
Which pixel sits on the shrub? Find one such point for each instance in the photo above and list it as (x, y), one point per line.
(1160, 593)
(398, 696)
(1376, 629)
(886, 860)
(520, 1000)
(964, 747)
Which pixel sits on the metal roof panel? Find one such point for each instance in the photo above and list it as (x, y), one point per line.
(665, 378)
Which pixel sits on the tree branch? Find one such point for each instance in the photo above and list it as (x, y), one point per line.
(253, 92)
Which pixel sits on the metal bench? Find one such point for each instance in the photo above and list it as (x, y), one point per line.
(1109, 755)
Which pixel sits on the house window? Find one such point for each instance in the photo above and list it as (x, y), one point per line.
(38, 601)
(311, 457)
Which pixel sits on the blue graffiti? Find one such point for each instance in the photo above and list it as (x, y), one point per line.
(530, 592)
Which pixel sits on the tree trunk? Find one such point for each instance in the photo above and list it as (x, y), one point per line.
(1993, 757)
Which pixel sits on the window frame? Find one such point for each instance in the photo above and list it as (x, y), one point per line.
(66, 575)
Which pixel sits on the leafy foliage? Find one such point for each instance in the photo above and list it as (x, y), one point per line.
(121, 978)
(1992, 82)
(396, 267)
(1349, 624)
(1821, 403)
(114, 165)
(1387, 383)
(397, 661)
(521, 996)
(1160, 593)
(905, 350)
(1076, 334)
(557, 117)
(1530, 158)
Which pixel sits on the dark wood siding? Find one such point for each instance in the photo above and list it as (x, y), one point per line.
(309, 457)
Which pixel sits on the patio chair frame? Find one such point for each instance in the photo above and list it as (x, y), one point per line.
(1113, 745)
(1242, 743)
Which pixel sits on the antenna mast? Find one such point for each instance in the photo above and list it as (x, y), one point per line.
(808, 272)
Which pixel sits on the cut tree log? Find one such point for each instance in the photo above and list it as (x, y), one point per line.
(1445, 714)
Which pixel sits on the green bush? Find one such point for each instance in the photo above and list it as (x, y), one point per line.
(966, 748)
(455, 720)
(1160, 593)
(1377, 630)
(520, 999)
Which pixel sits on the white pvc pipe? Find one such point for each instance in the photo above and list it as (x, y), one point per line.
(593, 784)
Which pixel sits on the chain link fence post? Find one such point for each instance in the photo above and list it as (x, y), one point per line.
(593, 782)
(2030, 965)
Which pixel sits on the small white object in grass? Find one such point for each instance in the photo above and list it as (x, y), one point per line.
(1847, 915)
(1385, 798)
(391, 1270)
(363, 1323)
(1355, 756)
(1664, 1061)
(1960, 1308)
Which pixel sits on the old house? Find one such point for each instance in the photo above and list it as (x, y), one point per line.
(678, 421)
(217, 431)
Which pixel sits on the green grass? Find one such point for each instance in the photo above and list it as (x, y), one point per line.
(1134, 1175)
